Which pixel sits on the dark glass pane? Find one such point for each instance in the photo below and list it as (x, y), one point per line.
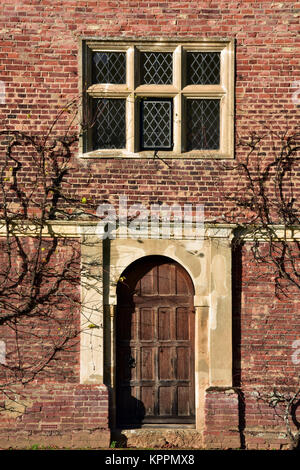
(109, 67)
(156, 123)
(157, 68)
(109, 130)
(203, 68)
(203, 124)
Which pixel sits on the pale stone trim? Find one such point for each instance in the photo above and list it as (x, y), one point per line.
(204, 91)
(120, 44)
(156, 90)
(130, 72)
(78, 228)
(209, 266)
(201, 362)
(220, 318)
(109, 91)
(92, 324)
(148, 154)
(276, 232)
(177, 68)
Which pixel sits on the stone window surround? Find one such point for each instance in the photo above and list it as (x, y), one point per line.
(179, 93)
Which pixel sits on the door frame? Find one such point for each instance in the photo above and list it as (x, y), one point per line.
(209, 265)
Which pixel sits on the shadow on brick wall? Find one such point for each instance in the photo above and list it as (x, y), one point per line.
(237, 271)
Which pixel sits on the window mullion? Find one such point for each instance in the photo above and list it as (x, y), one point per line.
(177, 123)
(130, 127)
(177, 112)
(177, 67)
(130, 102)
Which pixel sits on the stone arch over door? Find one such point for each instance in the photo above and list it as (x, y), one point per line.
(208, 263)
(155, 344)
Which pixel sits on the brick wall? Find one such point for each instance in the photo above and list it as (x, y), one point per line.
(39, 66)
(58, 415)
(41, 399)
(39, 60)
(236, 419)
(50, 327)
(265, 327)
(221, 419)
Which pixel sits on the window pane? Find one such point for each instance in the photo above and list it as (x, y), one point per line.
(109, 67)
(109, 130)
(203, 68)
(203, 124)
(157, 68)
(156, 123)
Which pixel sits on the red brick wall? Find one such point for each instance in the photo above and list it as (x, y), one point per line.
(59, 415)
(39, 59)
(265, 325)
(51, 327)
(39, 65)
(221, 419)
(41, 400)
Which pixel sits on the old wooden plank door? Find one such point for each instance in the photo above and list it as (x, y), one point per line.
(155, 328)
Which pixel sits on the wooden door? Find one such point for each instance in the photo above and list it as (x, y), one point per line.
(155, 344)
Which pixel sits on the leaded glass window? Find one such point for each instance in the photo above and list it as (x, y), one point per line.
(203, 68)
(203, 124)
(144, 96)
(109, 67)
(156, 123)
(109, 128)
(157, 68)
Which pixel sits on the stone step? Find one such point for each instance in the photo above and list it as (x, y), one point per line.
(158, 438)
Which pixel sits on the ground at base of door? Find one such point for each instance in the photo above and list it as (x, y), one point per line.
(162, 438)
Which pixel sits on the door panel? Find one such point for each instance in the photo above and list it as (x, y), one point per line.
(155, 344)
(164, 323)
(165, 401)
(182, 323)
(183, 363)
(147, 365)
(165, 364)
(146, 324)
(183, 401)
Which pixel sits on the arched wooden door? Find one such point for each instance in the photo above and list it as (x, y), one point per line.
(155, 337)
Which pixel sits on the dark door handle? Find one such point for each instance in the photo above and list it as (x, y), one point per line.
(131, 362)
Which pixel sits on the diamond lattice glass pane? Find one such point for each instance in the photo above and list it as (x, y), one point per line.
(156, 124)
(109, 130)
(157, 68)
(203, 68)
(203, 124)
(109, 67)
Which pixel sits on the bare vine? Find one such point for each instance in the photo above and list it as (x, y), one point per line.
(39, 269)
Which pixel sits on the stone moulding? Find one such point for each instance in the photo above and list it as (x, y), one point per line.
(79, 228)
